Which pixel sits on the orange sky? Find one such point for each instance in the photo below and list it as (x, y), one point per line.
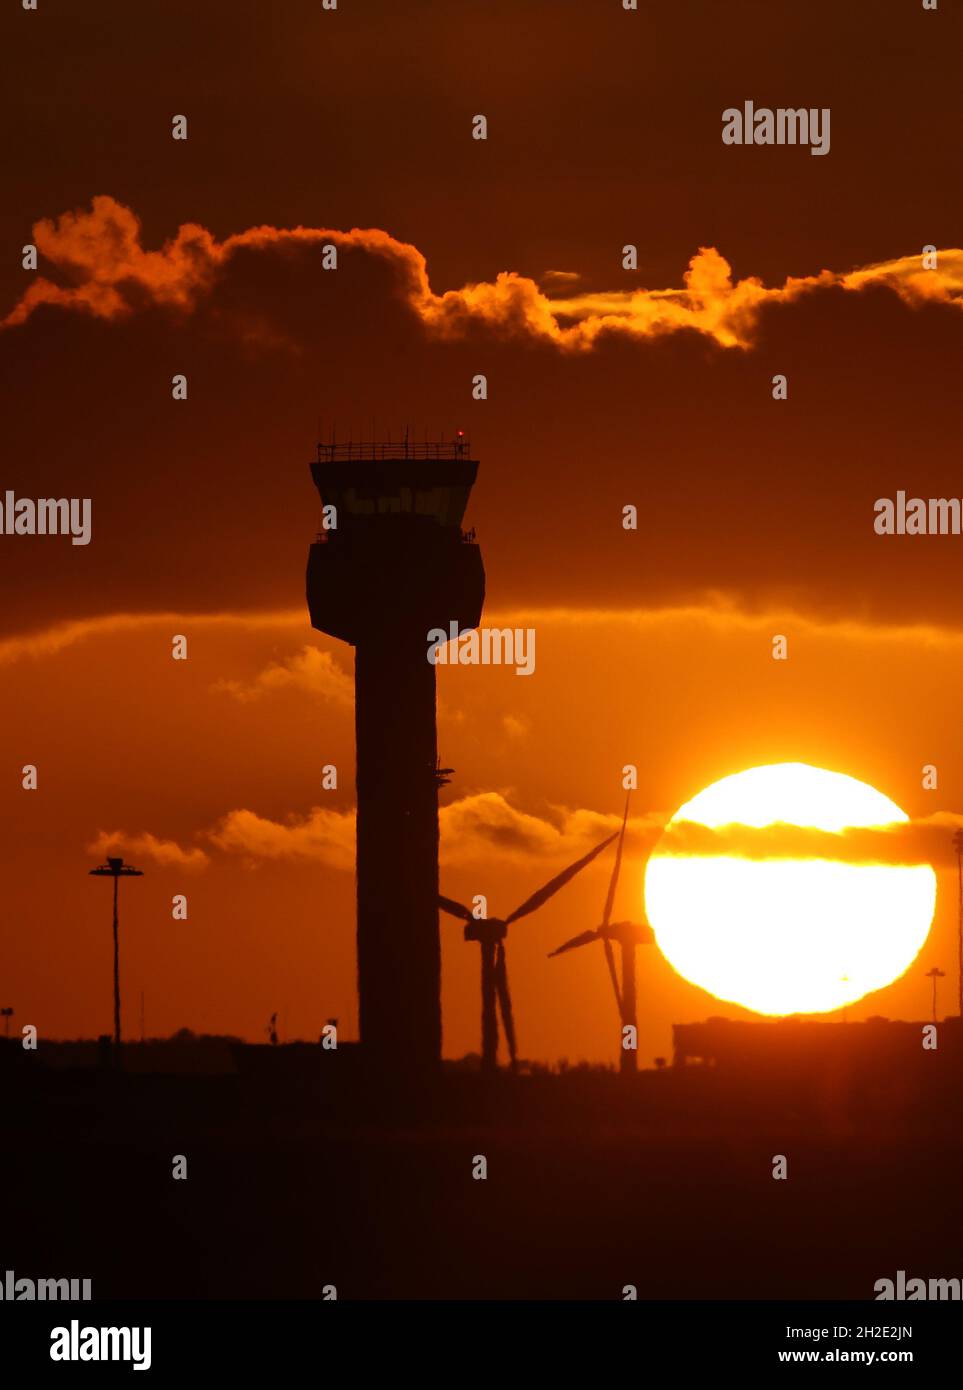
(218, 759)
(606, 387)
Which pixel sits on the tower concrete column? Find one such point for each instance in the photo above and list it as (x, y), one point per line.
(394, 564)
(399, 952)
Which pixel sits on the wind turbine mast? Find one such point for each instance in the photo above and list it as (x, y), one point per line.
(490, 933)
(629, 936)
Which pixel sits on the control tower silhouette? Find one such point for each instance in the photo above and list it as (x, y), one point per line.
(394, 564)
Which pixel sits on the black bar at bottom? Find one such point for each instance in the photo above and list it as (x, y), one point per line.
(446, 1340)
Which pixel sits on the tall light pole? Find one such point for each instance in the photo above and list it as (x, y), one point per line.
(935, 974)
(958, 846)
(116, 869)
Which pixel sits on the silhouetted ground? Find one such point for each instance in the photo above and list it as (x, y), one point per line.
(299, 1176)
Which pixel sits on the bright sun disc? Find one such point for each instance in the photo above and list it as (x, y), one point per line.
(787, 935)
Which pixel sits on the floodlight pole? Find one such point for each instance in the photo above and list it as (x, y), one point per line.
(116, 869)
(958, 842)
(935, 974)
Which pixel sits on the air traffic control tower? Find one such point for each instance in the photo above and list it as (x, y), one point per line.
(394, 565)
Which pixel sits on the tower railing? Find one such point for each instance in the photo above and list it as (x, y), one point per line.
(394, 449)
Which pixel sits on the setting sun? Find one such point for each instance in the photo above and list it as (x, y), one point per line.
(783, 935)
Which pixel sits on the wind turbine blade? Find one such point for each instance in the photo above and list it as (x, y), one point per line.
(505, 1000)
(582, 939)
(613, 881)
(559, 881)
(454, 909)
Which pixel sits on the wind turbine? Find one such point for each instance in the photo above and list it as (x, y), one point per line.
(629, 935)
(490, 933)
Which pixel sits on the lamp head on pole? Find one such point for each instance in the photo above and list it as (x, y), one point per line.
(116, 868)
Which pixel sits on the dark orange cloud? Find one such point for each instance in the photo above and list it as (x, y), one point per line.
(476, 827)
(49, 641)
(312, 671)
(107, 273)
(322, 836)
(716, 613)
(473, 829)
(926, 840)
(168, 854)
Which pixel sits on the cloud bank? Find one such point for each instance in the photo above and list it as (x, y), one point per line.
(485, 826)
(311, 671)
(474, 829)
(103, 270)
(926, 840)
